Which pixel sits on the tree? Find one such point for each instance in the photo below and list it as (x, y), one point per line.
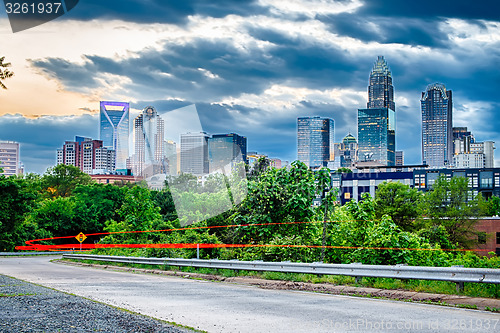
(278, 195)
(494, 206)
(399, 201)
(451, 204)
(62, 179)
(4, 72)
(343, 170)
(16, 200)
(259, 167)
(56, 216)
(95, 204)
(138, 213)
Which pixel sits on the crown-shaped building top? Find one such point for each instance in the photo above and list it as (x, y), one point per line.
(381, 67)
(380, 89)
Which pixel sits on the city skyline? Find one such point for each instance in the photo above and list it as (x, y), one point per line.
(251, 68)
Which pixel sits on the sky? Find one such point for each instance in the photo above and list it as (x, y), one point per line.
(250, 67)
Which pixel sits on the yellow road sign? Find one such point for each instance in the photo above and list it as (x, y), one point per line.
(81, 237)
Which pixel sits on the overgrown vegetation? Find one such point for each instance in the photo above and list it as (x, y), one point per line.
(399, 226)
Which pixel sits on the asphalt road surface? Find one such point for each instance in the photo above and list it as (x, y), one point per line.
(224, 307)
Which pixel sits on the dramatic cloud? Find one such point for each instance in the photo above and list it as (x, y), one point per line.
(253, 67)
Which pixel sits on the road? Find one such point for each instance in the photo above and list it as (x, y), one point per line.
(224, 307)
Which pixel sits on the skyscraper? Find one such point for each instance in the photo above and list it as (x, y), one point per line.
(377, 123)
(194, 153)
(149, 156)
(315, 141)
(437, 134)
(114, 130)
(224, 149)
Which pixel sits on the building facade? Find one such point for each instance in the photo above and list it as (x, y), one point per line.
(366, 180)
(377, 123)
(88, 155)
(377, 135)
(400, 158)
(171, 157)
(114, 130)
(226, 149)
(470, 154)
(9, 158)
(194, 153)
(315, 141)
(437, 132)
(149, 153)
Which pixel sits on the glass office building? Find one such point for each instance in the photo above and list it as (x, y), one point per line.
(194, 153)
(377, 135)
(114, 130)
(437, 130)
(377, 123)
(380, 89)
(149, 156)
(226, 149)
(315, 141)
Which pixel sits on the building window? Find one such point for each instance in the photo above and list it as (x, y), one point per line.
(498, 238)
(486, 179)
(431, 178)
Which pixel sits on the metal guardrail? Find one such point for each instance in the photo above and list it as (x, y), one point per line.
(454, 274)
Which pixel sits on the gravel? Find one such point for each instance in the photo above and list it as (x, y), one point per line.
(26, 307)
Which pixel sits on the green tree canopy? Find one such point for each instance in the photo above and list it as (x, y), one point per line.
(451, 204)
(399, 201)
(62, 179)
(17, 198)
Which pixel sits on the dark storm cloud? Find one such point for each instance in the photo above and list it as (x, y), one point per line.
(463, 9)
(40, 138)
(75, 77)
(410, 31)
(160, 11)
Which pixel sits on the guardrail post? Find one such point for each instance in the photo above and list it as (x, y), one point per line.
(197, 251)
(460, 285)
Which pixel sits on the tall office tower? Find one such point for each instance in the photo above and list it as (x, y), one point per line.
(171, 156)
(226, 149)
(9, 158)
(87, 154)
(149, 157)
(380, 89)
(400, 158)
(377, 123)
(194, 153)
(437, 135)
(114, 130)
(315, 141)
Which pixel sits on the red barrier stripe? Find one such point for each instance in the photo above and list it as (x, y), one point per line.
(39, 247)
